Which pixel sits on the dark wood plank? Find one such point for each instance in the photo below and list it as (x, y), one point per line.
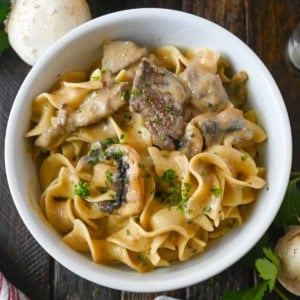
(22, 260)
(234, 278)
(70, 286)
(178, 294)
(228, 13)
(271, 23)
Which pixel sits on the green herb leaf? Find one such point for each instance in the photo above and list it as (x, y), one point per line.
(82, 190)
(273, 257)
(267, 269)
(109, 177)
(216, 192)
(134, 92)
(110, 140)
(289, 213)
(93, 157)
(125, 95)
(255, 293)
(169, 174)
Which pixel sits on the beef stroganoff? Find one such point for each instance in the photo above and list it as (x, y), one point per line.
(146, 158)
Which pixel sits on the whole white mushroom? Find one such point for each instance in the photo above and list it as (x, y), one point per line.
(288, 249)
(34, 25)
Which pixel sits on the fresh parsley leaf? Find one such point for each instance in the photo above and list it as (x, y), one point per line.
(4, 9)
(216, 192)
(267, 271)
(169, 174)
(273, 257)
(255, 293)
(289, 213)
(267, 268)
(82, 190)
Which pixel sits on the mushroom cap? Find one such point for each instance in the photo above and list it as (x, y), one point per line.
(34, 25)
(288, 249)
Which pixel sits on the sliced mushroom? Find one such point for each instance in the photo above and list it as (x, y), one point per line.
(129, 182)
(191, 142)
(228, 127)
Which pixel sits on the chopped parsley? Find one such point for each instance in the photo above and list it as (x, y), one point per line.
(95, 78)
(207, 209)
(118, 154)
(244, 157)
(185, 191)
(169, 108)
(162, 137)
(134, 92)
(141, 166)
(216, 192)
(110, 141)
(109, 177)
(82, 190)
(127, 232)
(93, 157)
(122, 136)
(125, 95)
(113, 195)
(171, 192)
(157, 119)
(143, 259)
(169, 175)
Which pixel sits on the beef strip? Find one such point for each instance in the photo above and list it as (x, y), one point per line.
(160, 96)
(118, 55)
(98, 105)
(208, 93)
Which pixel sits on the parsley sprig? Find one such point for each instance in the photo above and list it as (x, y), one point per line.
(266, 262)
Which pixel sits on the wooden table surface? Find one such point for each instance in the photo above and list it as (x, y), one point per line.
(265, 25)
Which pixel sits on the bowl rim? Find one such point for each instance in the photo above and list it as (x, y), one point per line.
(45, 242)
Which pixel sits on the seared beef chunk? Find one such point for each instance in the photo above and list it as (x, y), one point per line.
(160, 96)
(118, 55)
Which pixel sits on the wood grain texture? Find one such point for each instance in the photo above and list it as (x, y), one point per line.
(22, 260)
(270, 24)
(266, 26)
(66, 285)
(228, 13)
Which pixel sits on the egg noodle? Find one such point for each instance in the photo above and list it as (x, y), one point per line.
(110, 190)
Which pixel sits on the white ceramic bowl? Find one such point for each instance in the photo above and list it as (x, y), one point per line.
(150, 27)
